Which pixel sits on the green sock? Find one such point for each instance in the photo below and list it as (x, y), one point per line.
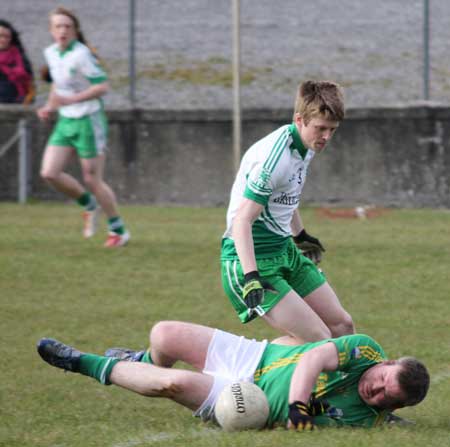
(147, 358)
(88, 201)
(97, 366)
(115, 224)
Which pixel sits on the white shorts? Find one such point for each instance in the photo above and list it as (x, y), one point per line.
(230, 358)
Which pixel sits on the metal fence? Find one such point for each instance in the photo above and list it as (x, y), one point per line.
(180, 53)
(202, 54)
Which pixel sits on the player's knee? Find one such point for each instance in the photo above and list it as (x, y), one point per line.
(48, 175)
(321, 333)
(163, 335)
(90, 181)
(344, 326)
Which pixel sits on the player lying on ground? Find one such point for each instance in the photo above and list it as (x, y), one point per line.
(350, 373)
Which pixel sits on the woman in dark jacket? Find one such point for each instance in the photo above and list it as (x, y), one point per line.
(16, 74)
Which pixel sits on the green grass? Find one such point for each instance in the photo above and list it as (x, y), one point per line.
(391, 273)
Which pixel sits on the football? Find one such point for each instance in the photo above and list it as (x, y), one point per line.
(242, 406)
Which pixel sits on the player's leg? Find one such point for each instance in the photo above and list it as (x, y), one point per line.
(187, 388)
(59, 152)
(310, 283)
(173, 341)
(327, 306)
(54, 161)
(293, 317)
(92, 169)
(90, 142)
(284, 309)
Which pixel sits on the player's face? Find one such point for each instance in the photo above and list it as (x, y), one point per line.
(379, 386)
(317, 133)
(5, 38)
(62, 30)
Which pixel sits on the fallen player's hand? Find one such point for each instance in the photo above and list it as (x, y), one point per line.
(310, 246)
(317, 407)
(300, 416)
(254, 288)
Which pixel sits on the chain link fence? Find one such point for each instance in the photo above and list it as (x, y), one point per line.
(178, 55)
(183, 49)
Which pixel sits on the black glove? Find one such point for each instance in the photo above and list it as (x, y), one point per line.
(310, 246)
(317, 406)
(254, 288)
(301, 416)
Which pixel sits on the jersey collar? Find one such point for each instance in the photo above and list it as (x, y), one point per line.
(297, 142)
(67, 49)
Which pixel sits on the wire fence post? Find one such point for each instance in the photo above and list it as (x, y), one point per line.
(132, 50)
(237, 126)
(23, 162)
(426, 49)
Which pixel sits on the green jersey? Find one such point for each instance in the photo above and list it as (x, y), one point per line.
(356, 352)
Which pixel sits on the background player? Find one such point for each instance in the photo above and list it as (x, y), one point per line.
(78, 83)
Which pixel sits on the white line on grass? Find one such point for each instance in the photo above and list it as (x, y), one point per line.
(164, 436)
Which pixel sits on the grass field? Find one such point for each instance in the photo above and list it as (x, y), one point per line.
(391, 273)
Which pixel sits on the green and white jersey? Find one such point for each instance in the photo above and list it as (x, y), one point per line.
(356, 352)
(74, 70)
(272, 173)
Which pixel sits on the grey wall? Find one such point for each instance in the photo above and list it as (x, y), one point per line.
(389, 157)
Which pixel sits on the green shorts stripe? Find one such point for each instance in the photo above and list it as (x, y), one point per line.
(99, 131)
(236, 290)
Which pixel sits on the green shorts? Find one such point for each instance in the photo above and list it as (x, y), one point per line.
(88, 134)
(289, 271)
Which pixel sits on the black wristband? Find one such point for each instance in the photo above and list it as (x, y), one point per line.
(251, 275)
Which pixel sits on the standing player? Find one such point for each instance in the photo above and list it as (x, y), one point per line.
(263, 272)
(78, 83)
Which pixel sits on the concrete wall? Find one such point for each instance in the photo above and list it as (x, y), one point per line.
(387, 157)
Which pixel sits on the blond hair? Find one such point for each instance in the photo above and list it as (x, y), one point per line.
(320, 99)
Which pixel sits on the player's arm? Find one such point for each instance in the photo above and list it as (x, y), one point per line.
(311, 364)
(92, 92)
(297, 222)
(242, 233)
(254, 286)
(50, 106)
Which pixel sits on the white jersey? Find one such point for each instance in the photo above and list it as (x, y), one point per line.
(272, 173)
(74, 70)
